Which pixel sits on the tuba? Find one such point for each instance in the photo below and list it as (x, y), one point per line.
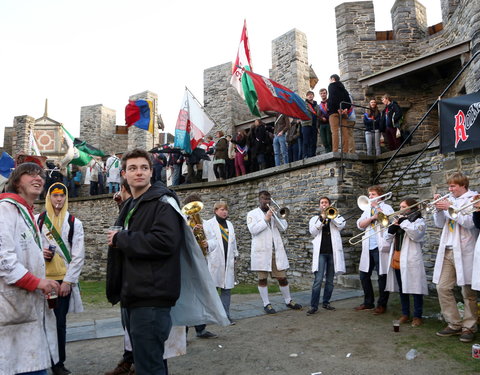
(192, 210)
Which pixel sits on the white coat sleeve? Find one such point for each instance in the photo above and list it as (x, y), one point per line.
(315, 226)
(439, 218)
(256, 224)
(416, 230)
(77, 253)
(339, 222)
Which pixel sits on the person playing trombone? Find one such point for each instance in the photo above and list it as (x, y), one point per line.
(370, 258)
(454, 262)
(406, 272)
(328, 258)
(268, 253)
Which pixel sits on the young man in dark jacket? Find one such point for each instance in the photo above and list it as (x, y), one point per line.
(143, 271)
(390, 122)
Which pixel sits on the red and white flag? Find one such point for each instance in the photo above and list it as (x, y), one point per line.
(192, 123)
(241, 62)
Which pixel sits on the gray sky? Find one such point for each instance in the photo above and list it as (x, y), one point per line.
(78, 53)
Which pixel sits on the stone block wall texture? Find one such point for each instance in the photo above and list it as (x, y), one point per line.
(97, 126)
(297, 186)
(361, 55)
(23, 125)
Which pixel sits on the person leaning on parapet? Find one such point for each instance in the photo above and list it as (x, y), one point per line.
(220, 156)
(112, 168)
(406, 271)
(327, 258)
(371, 258)
(268, 253)
(338, 113)
(454, 261)
(222, 252)
(390, 122)
(151, 240)
(293, 140)
(28, 338)
(371, 120)
(309, 128)
(280, 129)
(60, 229)
(323, 124)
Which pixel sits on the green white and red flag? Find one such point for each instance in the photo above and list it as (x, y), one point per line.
(242, 62)
(263, 94)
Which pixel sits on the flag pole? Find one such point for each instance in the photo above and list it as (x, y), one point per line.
(201, 106)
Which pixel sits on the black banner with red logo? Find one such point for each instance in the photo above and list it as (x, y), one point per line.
(460, 123)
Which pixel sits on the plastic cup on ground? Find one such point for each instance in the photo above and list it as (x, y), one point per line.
(396, 326)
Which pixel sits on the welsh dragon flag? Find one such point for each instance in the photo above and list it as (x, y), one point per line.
(263, 94)
(242, 62)
(192, 123)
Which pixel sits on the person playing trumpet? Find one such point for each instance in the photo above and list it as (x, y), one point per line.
(328, 258)
(454, 261)
(268, 253)
(370, 258)
(406, 273)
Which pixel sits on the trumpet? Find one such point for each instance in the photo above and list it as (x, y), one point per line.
(192, 210)
(454, 212)
(364, 203)
(431, 206)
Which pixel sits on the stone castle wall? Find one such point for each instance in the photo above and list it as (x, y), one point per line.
(97, 125)
(360, 54)
(22, 126)
(297, 187)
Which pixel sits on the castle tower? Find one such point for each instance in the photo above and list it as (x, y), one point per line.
(23, 125)
(97, 127)
(290, 62)
(139, 137)
(409, 20)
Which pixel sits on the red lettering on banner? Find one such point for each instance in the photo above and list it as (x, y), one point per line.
(182, 120)
(460, 132)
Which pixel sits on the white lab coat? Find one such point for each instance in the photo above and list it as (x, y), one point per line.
(265, 238)
(476, 267)
(77, 253)
(113, 172)
(28, 333)
(464, 237)
(412, 269)
(315, 227)
(365, 256)
(223, 275)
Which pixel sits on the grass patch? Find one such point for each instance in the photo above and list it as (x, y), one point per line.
(428, 343)
(93, 292)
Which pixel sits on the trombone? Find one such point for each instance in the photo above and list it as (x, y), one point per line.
(454, 212)
(282, 211)
(364, 203)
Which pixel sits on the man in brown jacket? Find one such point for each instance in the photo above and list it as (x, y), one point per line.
(220, 155)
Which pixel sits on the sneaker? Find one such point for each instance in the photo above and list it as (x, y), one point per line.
(207, 335)
(467, 335)
(327, 306)
(312, 310)
(416, 322)
(59, 369)
(232, 322)
(363, 307)
(404, 319)
(293, 305)
(379, 310)
(449, 332)
(269, 309)
(123, 368)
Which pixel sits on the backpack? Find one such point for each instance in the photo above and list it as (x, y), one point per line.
(71, 222)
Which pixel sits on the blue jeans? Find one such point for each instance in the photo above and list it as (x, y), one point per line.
(149, 328)
(366, 280)
(177, 172)
(325, 267)
(293, 151)
(309, 134)
(113, 187)
(225, 295)
(405, 300)
(280, 149)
